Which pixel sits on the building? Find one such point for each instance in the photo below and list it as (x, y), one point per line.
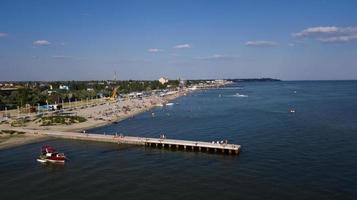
(182, 83)
(163, 80)
(63, 87)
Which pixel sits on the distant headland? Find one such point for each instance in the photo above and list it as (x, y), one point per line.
(253, 79)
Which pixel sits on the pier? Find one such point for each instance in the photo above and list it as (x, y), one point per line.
(185, 145)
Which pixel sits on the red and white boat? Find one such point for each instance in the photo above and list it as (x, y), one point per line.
(49, 154)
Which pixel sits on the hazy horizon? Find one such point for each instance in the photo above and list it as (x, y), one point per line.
(145, 40)
(88, 80)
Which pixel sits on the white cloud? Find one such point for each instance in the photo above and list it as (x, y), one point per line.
(2, 34)
(61, 57)
(346, 38)
(316, 30)
(260, 43)
(41, 43)
(154, 50)
(183, 46)
(329, 34)
(217, 57)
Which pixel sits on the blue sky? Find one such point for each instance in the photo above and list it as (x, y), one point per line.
(70, 40)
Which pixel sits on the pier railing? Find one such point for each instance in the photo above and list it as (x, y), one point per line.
(187, 145)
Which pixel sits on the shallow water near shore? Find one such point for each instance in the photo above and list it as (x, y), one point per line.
(309, 154)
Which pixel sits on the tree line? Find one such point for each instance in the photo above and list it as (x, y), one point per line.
(40, 93)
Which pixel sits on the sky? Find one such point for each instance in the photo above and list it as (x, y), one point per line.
(187, 39)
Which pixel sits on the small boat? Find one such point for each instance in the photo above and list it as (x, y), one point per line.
(240, 95)
(292, 111)
(49, 154)
(169, 104)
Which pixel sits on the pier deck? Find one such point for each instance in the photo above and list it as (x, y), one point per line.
(152, 142)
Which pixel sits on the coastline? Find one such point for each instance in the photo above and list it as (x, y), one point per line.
(100, 112)
(30, 132)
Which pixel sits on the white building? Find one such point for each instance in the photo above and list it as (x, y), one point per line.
(163, 80)
(63, 87)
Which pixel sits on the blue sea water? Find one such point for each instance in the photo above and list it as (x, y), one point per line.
(309, 154)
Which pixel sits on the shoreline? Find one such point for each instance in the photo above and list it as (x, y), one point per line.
(101, 113)
(31, 136)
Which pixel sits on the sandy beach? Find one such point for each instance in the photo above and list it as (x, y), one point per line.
(96, 113)
(100, 114)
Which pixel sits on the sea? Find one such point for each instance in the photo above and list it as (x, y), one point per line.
(298, 138)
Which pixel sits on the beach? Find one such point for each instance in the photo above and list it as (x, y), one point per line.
(284, 155)
(91, 113)
(102, 113)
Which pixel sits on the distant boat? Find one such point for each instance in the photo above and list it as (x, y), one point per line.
(240, 95)
(169, 104)
(49, 154)
(192, 88)
(292, 110)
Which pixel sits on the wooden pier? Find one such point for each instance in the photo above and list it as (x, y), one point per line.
(185, 145)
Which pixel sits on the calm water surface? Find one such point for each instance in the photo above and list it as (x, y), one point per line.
(310, 154)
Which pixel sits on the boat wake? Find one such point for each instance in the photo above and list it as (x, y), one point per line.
(239, 95)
